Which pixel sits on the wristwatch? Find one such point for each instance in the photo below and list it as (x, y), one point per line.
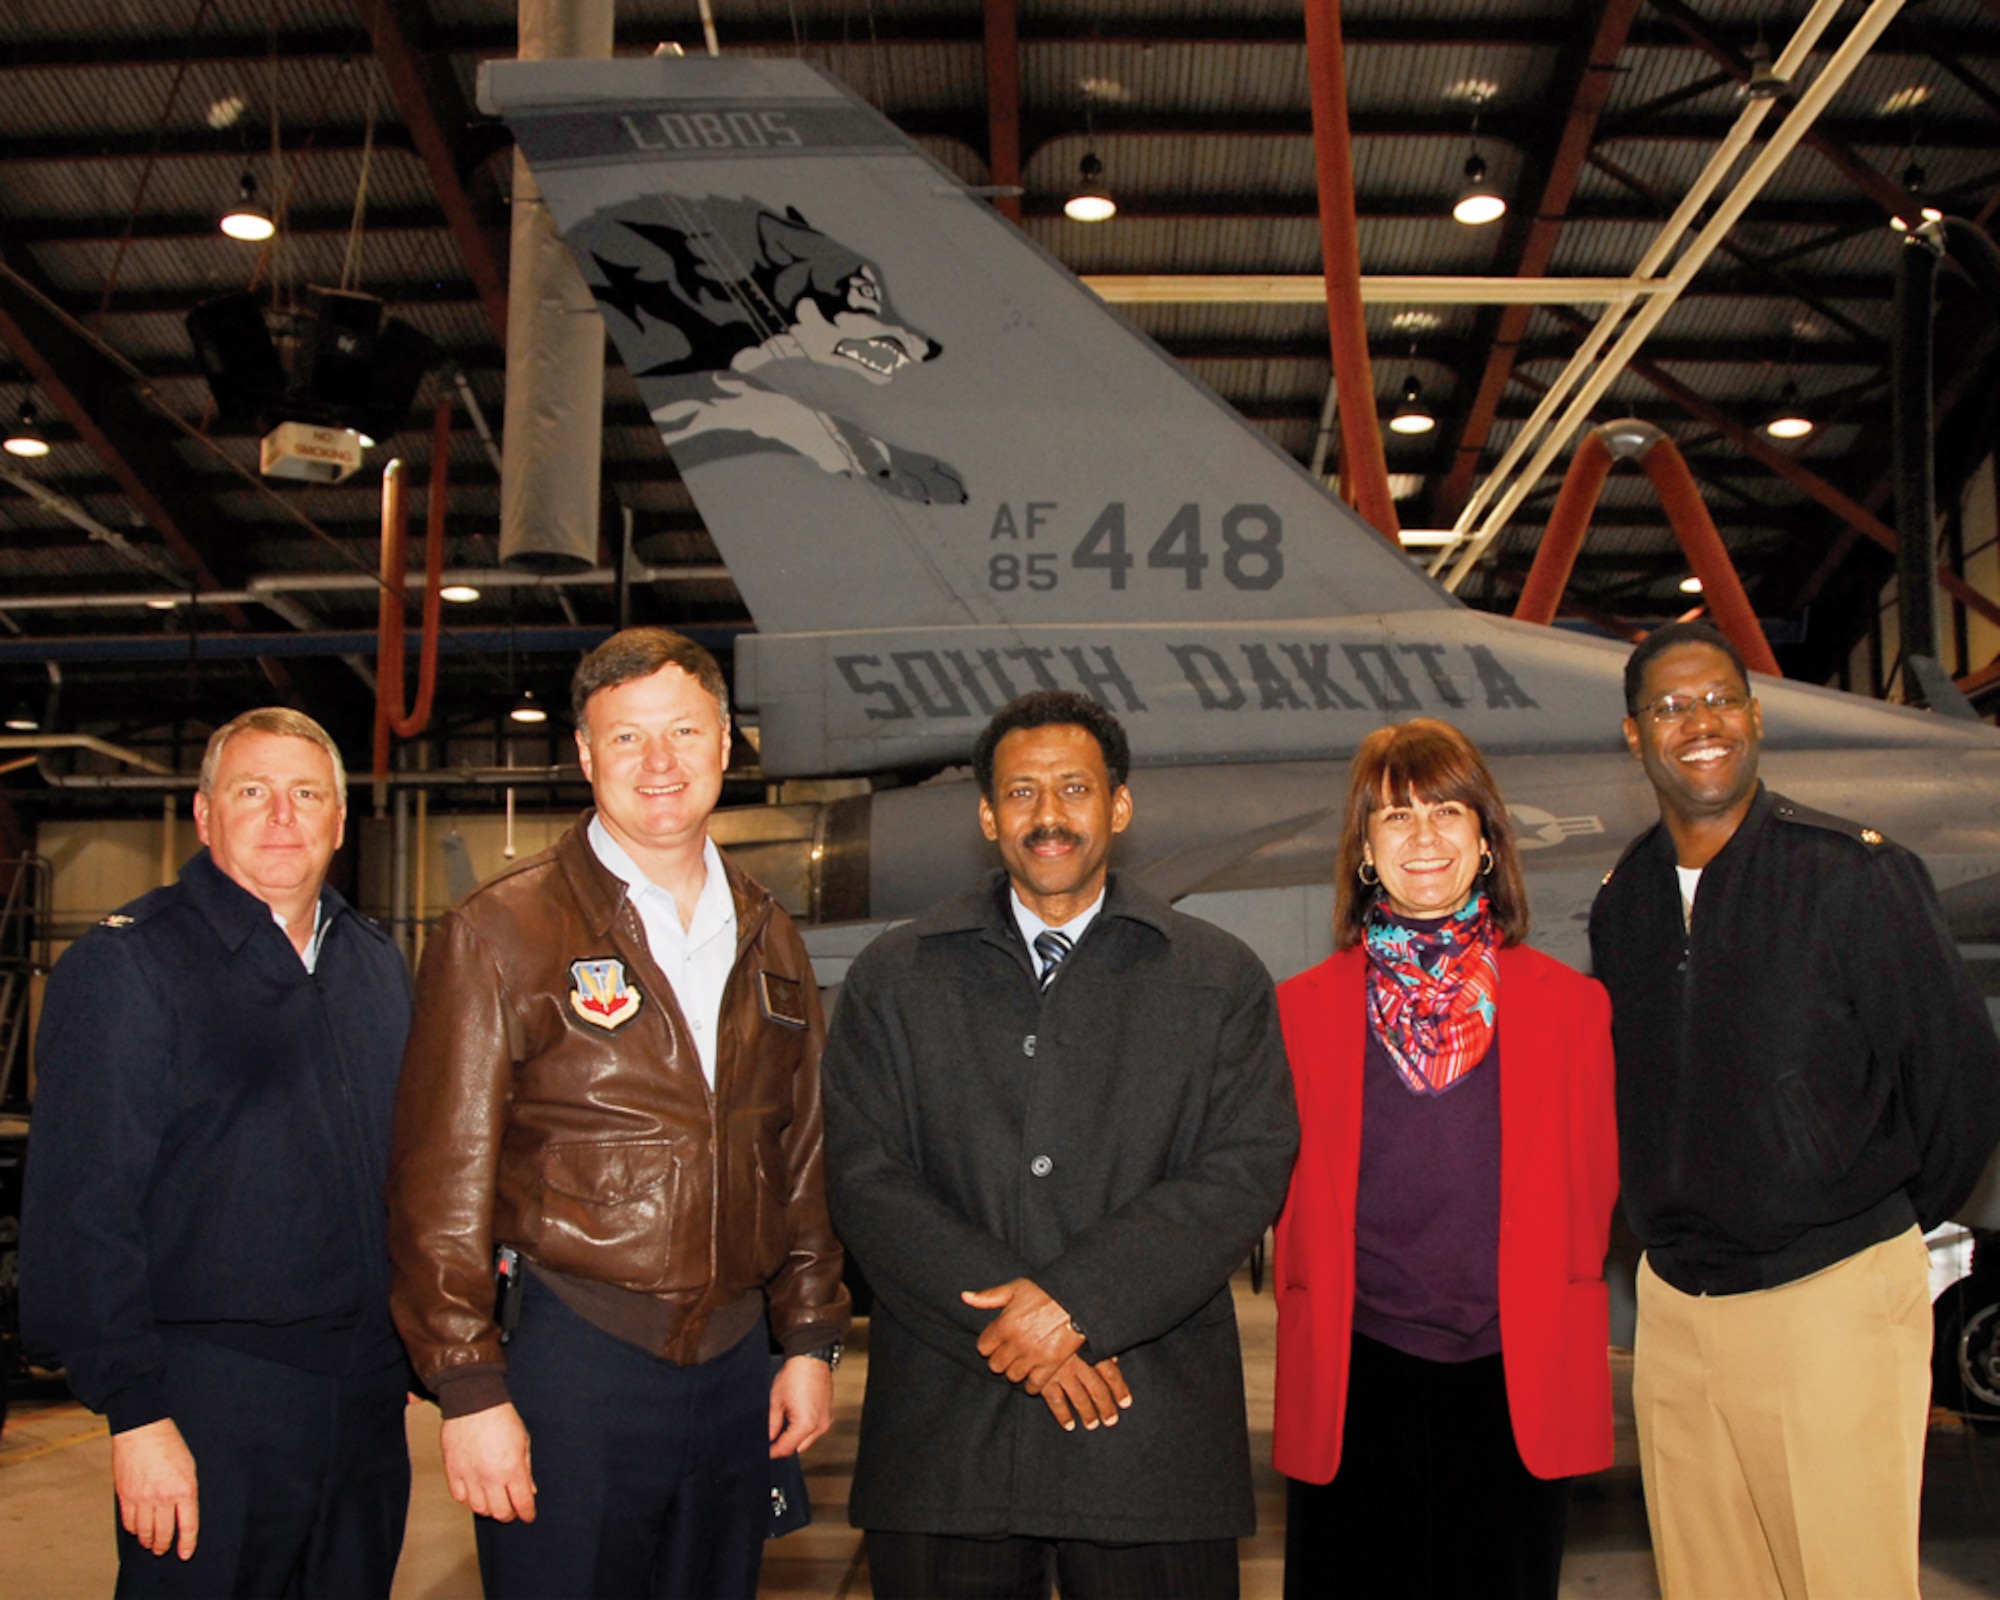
(829, 1353)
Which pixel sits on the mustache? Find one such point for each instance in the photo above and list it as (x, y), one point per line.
(1050, 835)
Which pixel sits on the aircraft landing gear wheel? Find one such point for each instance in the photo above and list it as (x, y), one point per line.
(1965, 1351)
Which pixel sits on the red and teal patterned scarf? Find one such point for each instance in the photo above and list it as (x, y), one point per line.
(1431, 989)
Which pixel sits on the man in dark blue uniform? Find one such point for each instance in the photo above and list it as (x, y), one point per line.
(203, 1230)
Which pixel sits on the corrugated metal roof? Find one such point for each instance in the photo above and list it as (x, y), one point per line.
(1202, 111)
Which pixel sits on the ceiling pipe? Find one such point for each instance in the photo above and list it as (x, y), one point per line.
(1562, 540)
(265, 591)
(183, 647)
(1666, 468)
(1364, 467)
(81, 741)
(1912, 419)
(390, 660)
(158, 778)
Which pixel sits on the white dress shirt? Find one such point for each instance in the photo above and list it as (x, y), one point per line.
(697, 959)
(1031, 925)
(309, 955)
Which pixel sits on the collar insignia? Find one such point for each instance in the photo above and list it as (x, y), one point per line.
(604, 997)
(117, 919)
(1870, 836)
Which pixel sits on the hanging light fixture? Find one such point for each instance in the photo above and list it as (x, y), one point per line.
(1412, 416)
(459, 594)
(24, 439)
(1477, 203)
(1690, 585)
(528, 709)
(247, 219)
(22, 719)
(1091, 202)
(1789, 420)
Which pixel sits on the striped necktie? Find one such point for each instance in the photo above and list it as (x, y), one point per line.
(1054, 949)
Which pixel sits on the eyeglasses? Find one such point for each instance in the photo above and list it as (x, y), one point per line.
(1678, 707)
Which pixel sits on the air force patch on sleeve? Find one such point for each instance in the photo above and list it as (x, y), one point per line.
(604, 997)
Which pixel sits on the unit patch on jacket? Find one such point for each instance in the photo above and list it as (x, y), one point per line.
(782, 1000)
(603, 996)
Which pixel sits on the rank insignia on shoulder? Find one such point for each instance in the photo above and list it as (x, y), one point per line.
(603, 997)
(1870, 836)
(782, 1000)
(117, 919)
(1601, 882)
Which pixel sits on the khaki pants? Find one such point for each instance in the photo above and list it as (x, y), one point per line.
(1781, 1431)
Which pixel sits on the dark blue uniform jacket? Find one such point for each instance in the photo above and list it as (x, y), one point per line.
(209, 1142)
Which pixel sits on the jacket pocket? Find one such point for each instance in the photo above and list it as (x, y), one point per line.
(620, 1213)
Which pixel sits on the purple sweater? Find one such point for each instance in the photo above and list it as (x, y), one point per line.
(1427, 1217)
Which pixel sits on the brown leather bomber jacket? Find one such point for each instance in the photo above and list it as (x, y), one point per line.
(551, 1100)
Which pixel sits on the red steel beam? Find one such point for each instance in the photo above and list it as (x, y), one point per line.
(1003, 102)
(1593, 91)
(1363, 463)
(419, 87)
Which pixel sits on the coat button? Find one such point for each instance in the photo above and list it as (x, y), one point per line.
(1028, 1045)
(1041, 1166)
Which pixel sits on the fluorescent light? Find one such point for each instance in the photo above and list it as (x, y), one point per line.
(459, 594)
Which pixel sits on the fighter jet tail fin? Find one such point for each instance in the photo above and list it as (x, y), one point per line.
(892, 408)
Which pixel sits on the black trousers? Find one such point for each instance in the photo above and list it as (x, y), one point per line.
(1431, 1501)
(936, 1566)
(653, 1481)
(302, 1479)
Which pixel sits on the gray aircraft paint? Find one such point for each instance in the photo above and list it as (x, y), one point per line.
(1000, 485)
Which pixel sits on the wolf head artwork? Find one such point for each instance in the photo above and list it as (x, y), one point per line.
(708, 298)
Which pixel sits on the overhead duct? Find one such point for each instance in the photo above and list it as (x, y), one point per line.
(554, 433)
(1630, 439)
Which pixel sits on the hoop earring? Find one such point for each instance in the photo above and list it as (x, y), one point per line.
(1485, 861)
(1365, 872)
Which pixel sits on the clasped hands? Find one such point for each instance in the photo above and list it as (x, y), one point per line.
(1032, 1343)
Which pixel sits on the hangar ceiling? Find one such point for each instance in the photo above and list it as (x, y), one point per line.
(126, 126)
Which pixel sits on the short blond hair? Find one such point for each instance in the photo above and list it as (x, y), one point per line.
(281, 720)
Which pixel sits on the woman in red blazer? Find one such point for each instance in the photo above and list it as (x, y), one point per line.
(1442, 1320)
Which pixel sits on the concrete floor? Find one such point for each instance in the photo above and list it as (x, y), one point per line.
(55, 1505)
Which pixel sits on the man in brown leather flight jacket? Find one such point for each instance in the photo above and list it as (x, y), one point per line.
(614, 1073)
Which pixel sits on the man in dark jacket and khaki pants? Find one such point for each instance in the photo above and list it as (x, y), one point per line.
(614, 1073)
(1058, 1117)
(1807, 1080)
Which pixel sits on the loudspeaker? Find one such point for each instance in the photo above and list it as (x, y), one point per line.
(402, 356)
(336, 360)
(234, 347)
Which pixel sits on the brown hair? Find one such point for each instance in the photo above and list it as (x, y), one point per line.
(639, 653)
(1427, 760)
(280, 720)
